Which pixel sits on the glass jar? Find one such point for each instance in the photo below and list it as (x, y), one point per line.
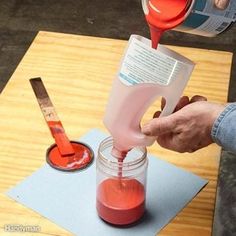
(121, 184)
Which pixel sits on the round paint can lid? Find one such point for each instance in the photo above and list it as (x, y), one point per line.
(82, 158)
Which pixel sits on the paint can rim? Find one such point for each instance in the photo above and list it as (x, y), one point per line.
(84, 167)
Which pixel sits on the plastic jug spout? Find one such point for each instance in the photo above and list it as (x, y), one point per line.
(119, 154)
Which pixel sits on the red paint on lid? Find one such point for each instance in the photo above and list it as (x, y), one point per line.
(82, 157)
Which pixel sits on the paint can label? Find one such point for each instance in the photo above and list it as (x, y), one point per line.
(206, 20)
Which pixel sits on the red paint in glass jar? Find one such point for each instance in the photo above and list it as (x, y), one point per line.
(121, 184)
(121, 201)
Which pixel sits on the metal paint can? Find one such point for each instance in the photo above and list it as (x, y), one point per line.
(206, 19)
(202, 17)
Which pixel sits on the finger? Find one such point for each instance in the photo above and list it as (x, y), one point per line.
(169, 141)
(159, 126)
(163, 103)
(156, 114)
(172, 142)
(198, 98)
(221, 4)
(182, 103)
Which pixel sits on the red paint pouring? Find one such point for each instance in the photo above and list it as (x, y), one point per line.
(121, 201)
(65, 154)
(162, 15)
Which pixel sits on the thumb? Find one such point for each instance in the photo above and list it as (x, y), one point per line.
(221, 4)
(159, 126)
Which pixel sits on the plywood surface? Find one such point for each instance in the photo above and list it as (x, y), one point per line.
(77, 72)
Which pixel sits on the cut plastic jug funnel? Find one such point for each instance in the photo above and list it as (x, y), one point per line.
(144, 75)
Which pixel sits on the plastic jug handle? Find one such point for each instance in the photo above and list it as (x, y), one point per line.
(145, 140)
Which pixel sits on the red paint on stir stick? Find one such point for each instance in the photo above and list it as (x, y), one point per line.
(51, 117)
(62, 141)
(120, 201)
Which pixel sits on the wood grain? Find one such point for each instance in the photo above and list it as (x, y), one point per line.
(78, 72)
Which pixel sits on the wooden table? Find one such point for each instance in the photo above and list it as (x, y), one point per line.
(77, 72)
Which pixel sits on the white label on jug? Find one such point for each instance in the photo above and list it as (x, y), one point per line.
(142, 64)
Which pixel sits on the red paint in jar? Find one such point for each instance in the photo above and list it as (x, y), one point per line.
(120, 201)
(121, 183)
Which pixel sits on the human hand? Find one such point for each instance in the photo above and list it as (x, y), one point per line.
(221, 4)
(189, 128)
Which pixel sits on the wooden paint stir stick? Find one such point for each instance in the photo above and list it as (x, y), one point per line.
(51, 117)
(65, 155)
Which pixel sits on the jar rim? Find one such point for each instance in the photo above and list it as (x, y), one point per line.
(114, 165)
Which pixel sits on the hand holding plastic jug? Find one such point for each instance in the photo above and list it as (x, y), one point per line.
(189, 128)
(145, 74)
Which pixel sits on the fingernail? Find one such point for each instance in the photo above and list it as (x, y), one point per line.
(146, 129)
